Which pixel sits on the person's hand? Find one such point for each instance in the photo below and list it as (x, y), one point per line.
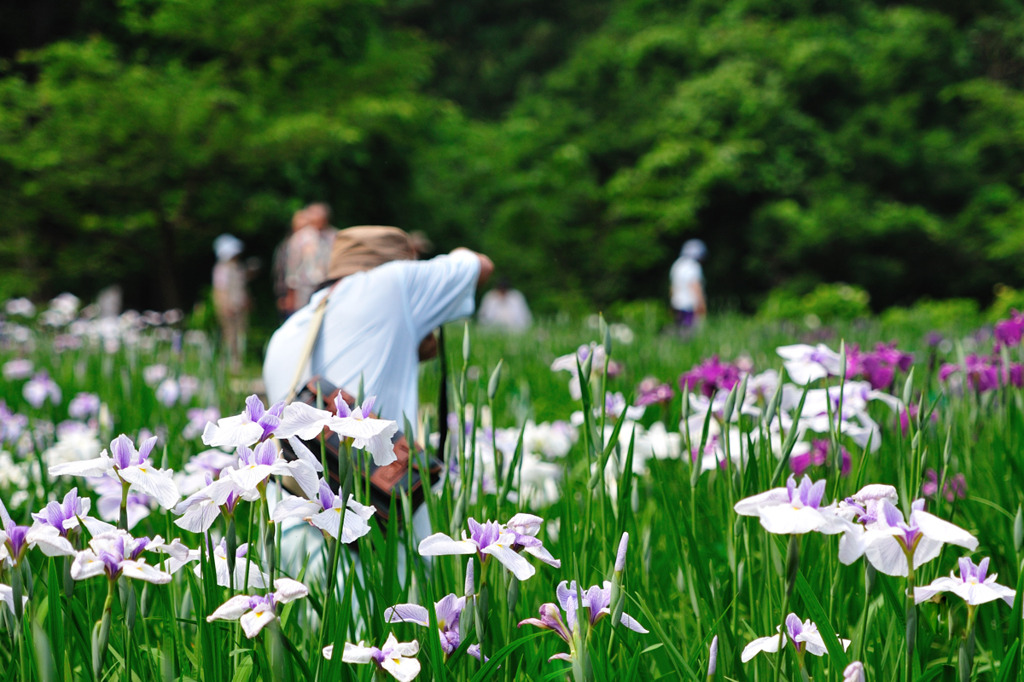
(428, 347)
(486, 265)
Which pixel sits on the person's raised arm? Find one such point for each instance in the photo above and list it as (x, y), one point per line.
(486, 266)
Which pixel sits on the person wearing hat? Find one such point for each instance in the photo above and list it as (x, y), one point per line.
(382, 308)
(230, 297)
(687, 280)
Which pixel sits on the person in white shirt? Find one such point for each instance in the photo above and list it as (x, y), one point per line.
(687, 279)
(379, 321)
(505, 308)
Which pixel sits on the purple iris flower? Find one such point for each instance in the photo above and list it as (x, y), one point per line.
(17, 540)
(596, 600)
(254, 425)
(64, 515)
(83, 406)
(268, 418)
(448, 612)
(551, 619)
(818, 456)
(264, 454)
(983, 374)
(41, 388)
(124, 452)
(652, 391)
(504, 542)
(954, 487)
(804, 637)
(974, 585)
(806, 493)
(710, 377)
(198, 417)
(116, 554)
(893, 546)
(363, 411)
(1009, 332)
(11, 424)
(16, 537)
(909, 532)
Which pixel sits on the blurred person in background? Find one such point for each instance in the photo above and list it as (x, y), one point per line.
(283, 293)
(300, 262)
(687, 286)
(505, 308)
(230, 297)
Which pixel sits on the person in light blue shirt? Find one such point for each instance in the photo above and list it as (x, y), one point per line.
(379, 321)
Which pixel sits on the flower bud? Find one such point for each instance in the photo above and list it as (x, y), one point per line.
(620, 555)
(854, 672)
(1018, 529)
(492, 385)
(470, 586)
(713, 657)
(513, 594)
(606, 335)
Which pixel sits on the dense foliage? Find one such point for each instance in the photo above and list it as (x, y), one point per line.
(123, 417)
(873, 143)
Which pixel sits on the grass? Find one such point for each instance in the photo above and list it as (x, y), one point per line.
(694, 570)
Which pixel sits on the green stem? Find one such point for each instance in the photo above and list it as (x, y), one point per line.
(911, 620)
(122, 520)
(332, 577)
(800, 664)
(231, 549)
(965, 659)
(102, 637)
(792, 567)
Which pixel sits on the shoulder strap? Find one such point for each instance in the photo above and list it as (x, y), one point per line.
(307, 351)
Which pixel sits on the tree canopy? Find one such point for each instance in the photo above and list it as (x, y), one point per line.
(579, 144)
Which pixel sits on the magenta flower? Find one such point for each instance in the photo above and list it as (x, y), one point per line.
(1009, 332)
(817, 455)
(652, 391)
(879, 366)
(710, 377)
(983, 374)
(954, 487)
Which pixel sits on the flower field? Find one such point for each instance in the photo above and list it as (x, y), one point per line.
(757, 502)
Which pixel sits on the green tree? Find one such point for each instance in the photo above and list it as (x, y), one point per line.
(125, 158)
(804, 141)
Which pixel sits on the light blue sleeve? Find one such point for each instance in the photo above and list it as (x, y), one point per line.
(441, 290)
